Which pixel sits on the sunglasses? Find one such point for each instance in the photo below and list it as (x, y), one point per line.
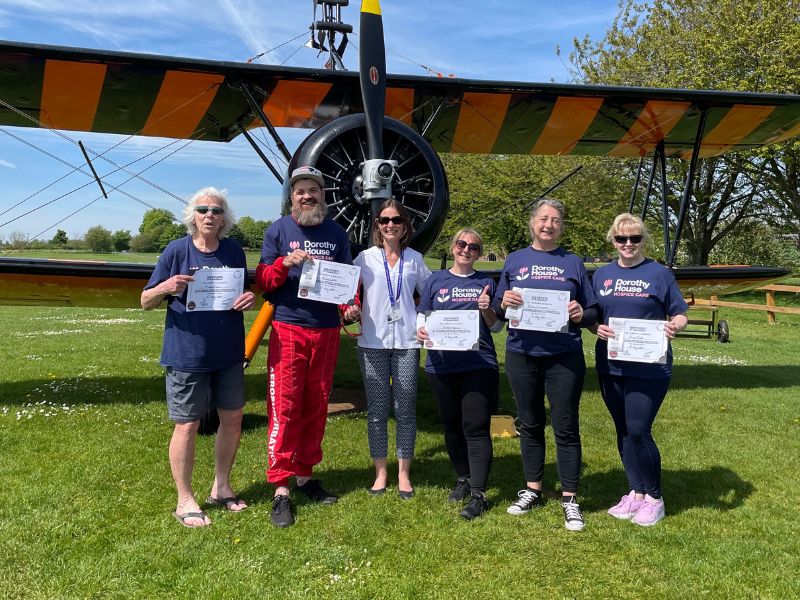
(387, 220)
(215, 210)
(461, 244)
(633, 239)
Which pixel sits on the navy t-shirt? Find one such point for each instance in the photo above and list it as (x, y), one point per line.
(445, 291)
(545, 270)
(326, 241)
(207, 340)
(645, 291)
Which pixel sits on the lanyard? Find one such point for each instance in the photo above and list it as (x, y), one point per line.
(392, 298)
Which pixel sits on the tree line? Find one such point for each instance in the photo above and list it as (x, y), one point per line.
(159, 227)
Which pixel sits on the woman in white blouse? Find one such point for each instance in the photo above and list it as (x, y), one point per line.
(388, 351)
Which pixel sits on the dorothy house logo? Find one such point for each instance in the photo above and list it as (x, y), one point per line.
(443, 296)
(523, 273)
(607, 289)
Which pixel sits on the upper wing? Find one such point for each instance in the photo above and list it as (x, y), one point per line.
(116, 92)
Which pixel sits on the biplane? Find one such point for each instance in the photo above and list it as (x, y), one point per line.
(373, 135)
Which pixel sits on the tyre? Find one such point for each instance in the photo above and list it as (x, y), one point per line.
(723, 332)
(420, 184)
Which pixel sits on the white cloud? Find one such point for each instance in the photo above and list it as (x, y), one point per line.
(5, 163)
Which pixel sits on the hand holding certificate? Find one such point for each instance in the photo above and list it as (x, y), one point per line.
(452, 329)
(638, 340)
(214, 289)
(331, 282)
(541, 310)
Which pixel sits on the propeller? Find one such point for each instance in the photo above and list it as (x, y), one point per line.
(377, 173)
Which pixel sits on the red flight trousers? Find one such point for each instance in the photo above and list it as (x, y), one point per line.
(300, 367)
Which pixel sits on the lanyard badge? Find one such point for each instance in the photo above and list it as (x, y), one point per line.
(393, 315)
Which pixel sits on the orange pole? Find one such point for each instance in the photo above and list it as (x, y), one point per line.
(257, 331)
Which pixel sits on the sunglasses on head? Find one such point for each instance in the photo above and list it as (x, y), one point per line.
(461, 244)
(215, 210)
(387, 220)
(623, 239)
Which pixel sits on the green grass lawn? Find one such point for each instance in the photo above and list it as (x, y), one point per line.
(86, 492)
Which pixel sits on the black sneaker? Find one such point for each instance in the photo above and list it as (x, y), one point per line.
(476, 506)
(573, 519)
(314, 491)
(528, 499)
(281, 515)
(460, 491)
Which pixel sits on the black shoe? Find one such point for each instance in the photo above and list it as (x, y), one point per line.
(281, 515)
(405, 495)
(377, 491)
(460, 491)
(476, 506)
(314, 491)
(527, 500)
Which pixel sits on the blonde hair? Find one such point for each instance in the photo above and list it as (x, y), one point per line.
(478, 238)
(627, 221)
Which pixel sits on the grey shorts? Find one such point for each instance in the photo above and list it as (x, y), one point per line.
(190, 395)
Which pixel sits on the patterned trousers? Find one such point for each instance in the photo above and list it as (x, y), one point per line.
(390, 377)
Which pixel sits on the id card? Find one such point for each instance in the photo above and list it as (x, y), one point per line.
(393, 315)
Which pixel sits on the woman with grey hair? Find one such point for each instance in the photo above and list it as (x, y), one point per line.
(550, 363)
(203, 351)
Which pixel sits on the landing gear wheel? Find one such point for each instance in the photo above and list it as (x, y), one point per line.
(723, 332)
(339, 148)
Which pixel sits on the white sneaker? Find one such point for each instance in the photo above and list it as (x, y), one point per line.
(573, 519)
(528, 499)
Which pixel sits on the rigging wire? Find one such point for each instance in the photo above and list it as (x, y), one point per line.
(257, 56)
(73, 168)
(101, 155)
(114, 188)
(133, 176)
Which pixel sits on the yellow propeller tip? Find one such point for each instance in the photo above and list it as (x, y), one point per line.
(371, 6)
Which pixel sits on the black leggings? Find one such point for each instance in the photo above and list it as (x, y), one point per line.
(466, 403)
(560, 377)
(633, 404)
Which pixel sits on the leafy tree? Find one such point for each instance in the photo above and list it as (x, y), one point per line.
(253, 231)
(18, 240)
(98, 238)
(756, 244)
(122, 240)
(494, 195)
(155, 219)
(145, 242)
(736, 45)
(60, 239)
(236, 234)
(160, 227)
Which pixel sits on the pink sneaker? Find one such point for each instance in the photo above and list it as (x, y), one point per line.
(626, 507)
(651, 512)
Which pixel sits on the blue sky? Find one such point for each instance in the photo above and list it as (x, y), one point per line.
(480, 39)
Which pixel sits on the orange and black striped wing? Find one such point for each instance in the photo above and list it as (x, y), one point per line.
(115, 92)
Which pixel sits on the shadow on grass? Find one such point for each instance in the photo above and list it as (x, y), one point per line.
(715, 487)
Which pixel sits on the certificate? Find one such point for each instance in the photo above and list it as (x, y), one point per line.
(638, 340)
(452, 329)
(331, 282)
(541, 310)
(214, 289)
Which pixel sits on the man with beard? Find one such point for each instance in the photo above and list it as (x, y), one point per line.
(304, 342)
